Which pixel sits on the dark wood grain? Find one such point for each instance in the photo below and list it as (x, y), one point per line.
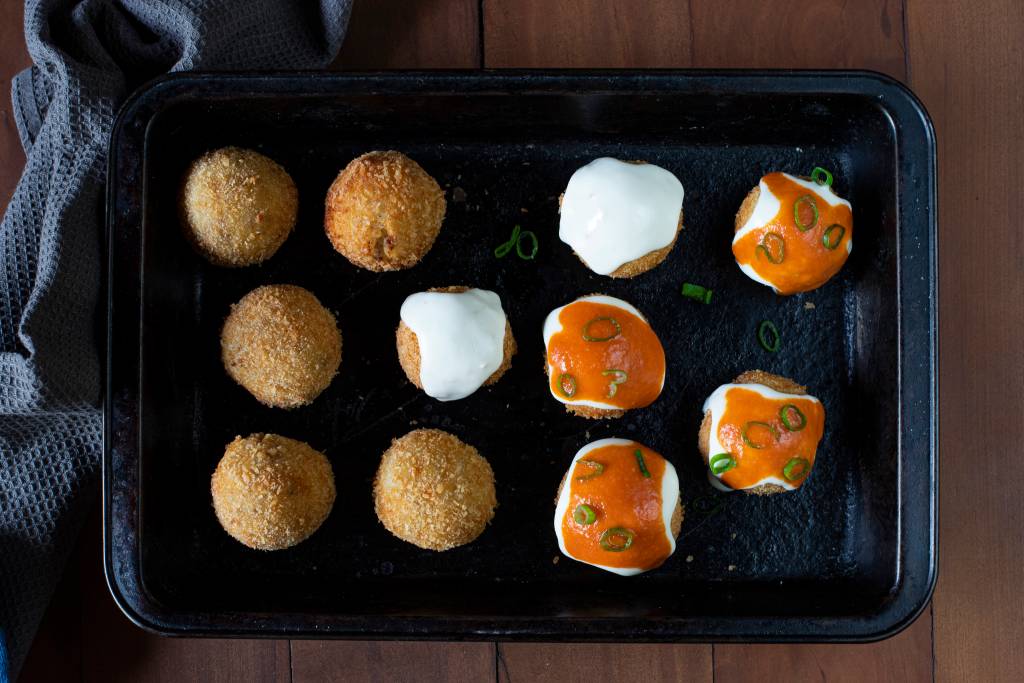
(86, 637)
(799, 34)
(965, 61)
(539, 663)
(13, 58)
(394, 662)
(398, 34)
(586, 33)
(967, 64)
(56, 652)
(905, 658)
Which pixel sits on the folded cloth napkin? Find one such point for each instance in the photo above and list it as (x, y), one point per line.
(88, 55)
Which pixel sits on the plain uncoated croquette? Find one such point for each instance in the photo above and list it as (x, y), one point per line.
(282, 345)
(433, 490)
(271, 492)
(237, 206)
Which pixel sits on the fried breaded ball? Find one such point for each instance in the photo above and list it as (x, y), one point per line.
(384, 211)
(282, 345)
(776, 382)
(237, 206)
(639, 265)
(409, 347)
(433, 490)
(271, 492)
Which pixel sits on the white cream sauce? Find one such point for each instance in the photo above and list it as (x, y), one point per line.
(614, 212)
(461, 338)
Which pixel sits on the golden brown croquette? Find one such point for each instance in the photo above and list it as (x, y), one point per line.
(282, 345)
(433, 490)
(237, 206)
(409, 347)
(383, 211)
(271, 492)
(776, 382)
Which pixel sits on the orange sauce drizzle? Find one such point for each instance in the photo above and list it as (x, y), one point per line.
(635, 351)
(754, 464)
(620, 497)
(806, 263)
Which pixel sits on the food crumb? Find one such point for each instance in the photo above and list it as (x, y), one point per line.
(732, 567)
(689, 558)
(523, 209)
(458, 195)
(809, 306)
(554, 560)
(732, 536)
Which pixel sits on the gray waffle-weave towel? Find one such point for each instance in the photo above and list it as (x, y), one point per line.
(88, 56)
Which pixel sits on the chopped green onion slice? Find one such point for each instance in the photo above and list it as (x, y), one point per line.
(591, 338)
(617, 539)
(567, 385)
(764, 425)
(597, 468)
(502, 250)
(768, 335)
(821, 176)
(697, 293)
(826, 238)
(809, 201)
(527, 256)
(640, 462)
(721, 463)
(584, 514)
(784, 415)
(618, 377)
(774, 247)
(796, 468)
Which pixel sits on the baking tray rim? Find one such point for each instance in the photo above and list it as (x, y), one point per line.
(907, 600)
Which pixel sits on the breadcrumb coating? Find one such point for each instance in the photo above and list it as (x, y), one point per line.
(409, 347)
(271, 492)
(776, 382)
(433, 490)
(383, 211)
(237, 206)
(282, 345)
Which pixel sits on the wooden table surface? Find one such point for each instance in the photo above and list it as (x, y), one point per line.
(965, 59)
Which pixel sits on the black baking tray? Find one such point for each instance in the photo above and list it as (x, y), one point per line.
(850, 557)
